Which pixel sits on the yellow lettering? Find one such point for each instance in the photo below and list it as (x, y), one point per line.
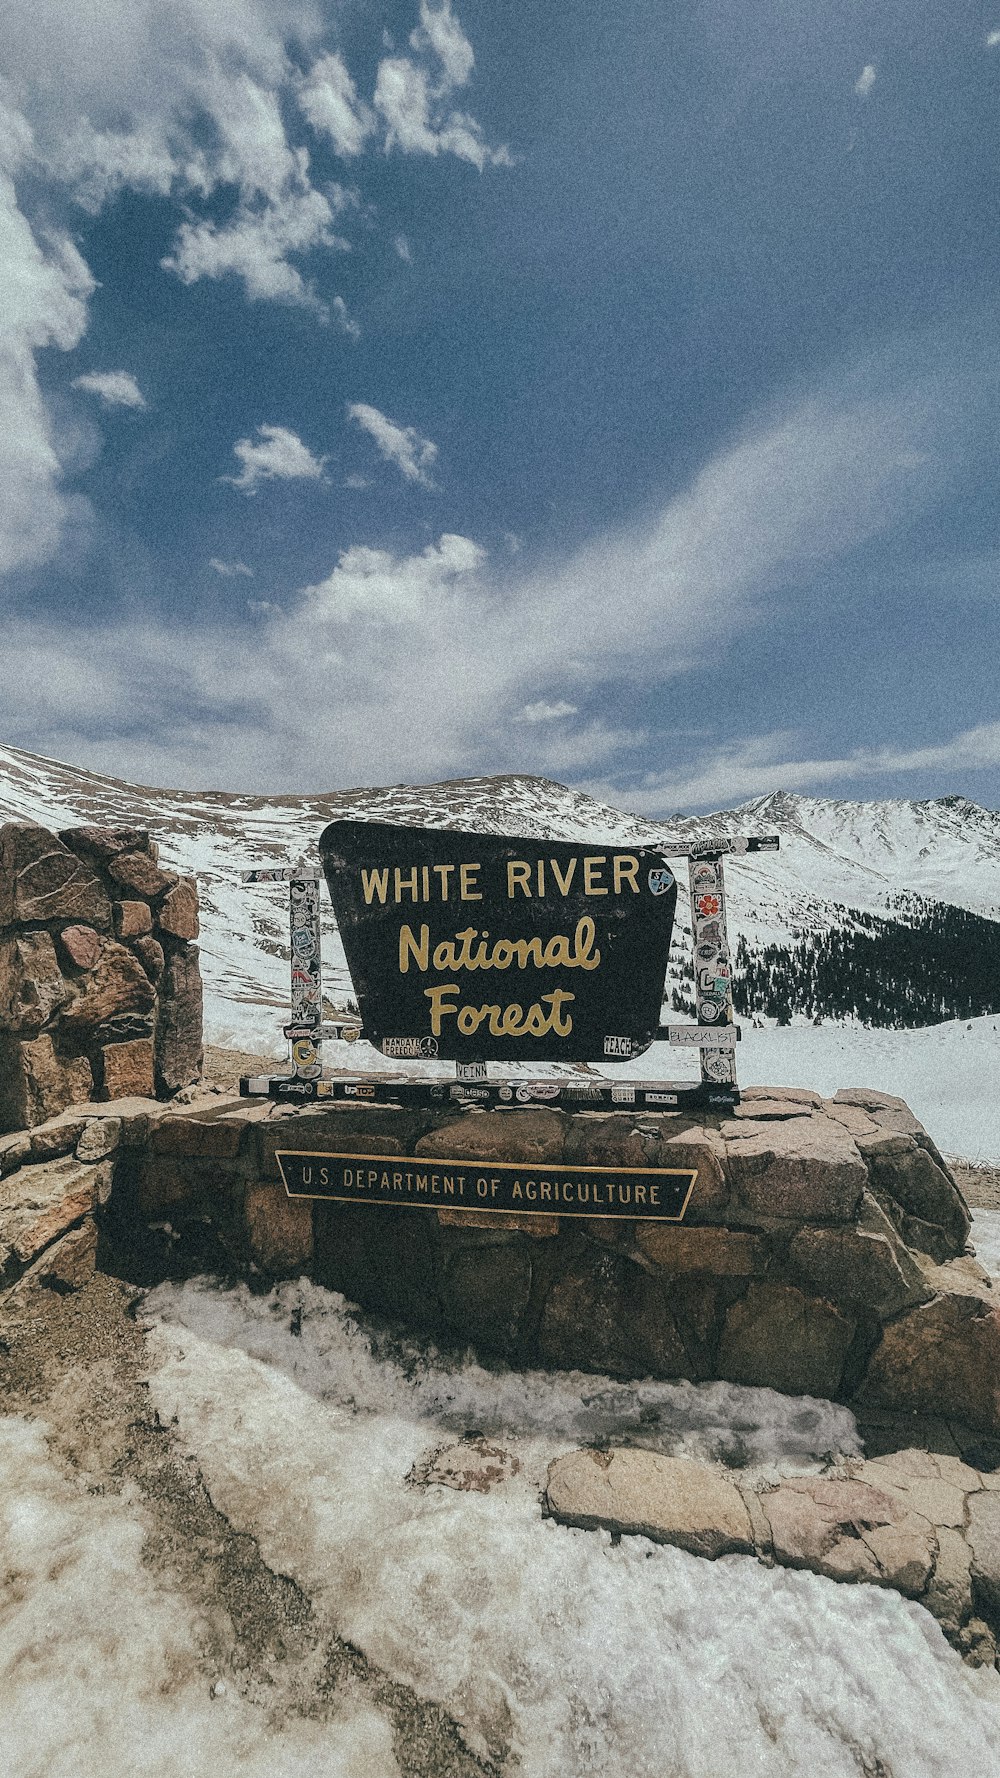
(591, 869)
(563, 882)
(626, 868)
(444, 871)
(519, 874)
(540, 878)
(467, 882)
(418, 947)
(375, 882)
(409, 883)
(438, 1007)
(515, 1190)
(425, 877)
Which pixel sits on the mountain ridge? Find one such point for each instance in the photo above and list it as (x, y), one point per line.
(836, 857)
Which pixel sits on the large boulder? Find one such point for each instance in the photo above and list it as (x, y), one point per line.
(41, 879)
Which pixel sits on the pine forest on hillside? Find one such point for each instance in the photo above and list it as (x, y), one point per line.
(935, 962)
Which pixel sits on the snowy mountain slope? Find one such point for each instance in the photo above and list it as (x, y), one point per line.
(833, 855)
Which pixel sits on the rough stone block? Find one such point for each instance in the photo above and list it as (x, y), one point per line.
(70, 1263)
(104, 843)
(57, 1137)
(137, 871)
(705, 1151)
(36, 1084)
(668, 1499)
(179, 1053)
(128, 1069)
(117, 984)
(178, 914)
(150, 954)
(983, 1536)
(804, 1169)
(132, 919)
(15, 1150)
(777, 1337)
(279, 1230)
(944, 1354)
(611, 1142)
(725, 1253)
(850, 1531)
(793, 1095)
(31, 986)
(81, 946)
(949, 1595)
(923, 1190)
(926, 1482)
(866, 1266)
(485, 1294)
(604, 1313)
(40, 1205)
(40, 879)
(383, 1134)
(530, 1136)
(205, 1137)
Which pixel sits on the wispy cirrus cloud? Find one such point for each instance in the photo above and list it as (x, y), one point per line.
(403, 446)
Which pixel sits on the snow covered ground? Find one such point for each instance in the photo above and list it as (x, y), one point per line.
(558, 1652)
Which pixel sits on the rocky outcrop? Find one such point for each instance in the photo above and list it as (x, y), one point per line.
(100, 991)
(924, 1524)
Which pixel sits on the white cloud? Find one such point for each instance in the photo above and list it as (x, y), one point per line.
(198, 103)
(403, 248)
(465, 645)
(115, 388)
(545, 712)
(329, 99)
(415, 122)
(44, 286)
(277, 455)
(229, 570)
(413, 455)
(411, 99)
(377, 587)
(440, 31)
(992, 39)
(768, 762)
(255, 247)
(865, 81)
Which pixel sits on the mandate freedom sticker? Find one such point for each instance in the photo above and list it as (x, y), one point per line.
(657, 1194)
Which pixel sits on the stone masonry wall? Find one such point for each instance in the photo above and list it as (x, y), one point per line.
(100, 990)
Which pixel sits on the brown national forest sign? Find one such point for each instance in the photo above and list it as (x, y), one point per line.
(476, 947)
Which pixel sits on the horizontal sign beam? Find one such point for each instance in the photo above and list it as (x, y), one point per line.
(280, 874)
(658, 1194)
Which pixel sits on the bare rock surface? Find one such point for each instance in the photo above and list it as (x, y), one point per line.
(669, 1499)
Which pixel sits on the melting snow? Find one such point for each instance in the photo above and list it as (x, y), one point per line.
(554, 1648)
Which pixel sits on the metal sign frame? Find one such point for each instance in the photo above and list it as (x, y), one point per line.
(715, 1035)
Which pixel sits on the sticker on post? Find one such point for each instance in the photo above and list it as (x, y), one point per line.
(618, 1046)
(417, 1047)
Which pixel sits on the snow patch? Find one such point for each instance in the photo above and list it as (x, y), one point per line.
(553, 1648)
(98, 1673)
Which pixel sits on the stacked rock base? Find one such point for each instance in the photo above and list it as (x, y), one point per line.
(100, 990)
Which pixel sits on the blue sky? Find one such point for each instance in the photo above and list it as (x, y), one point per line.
(411, 391)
